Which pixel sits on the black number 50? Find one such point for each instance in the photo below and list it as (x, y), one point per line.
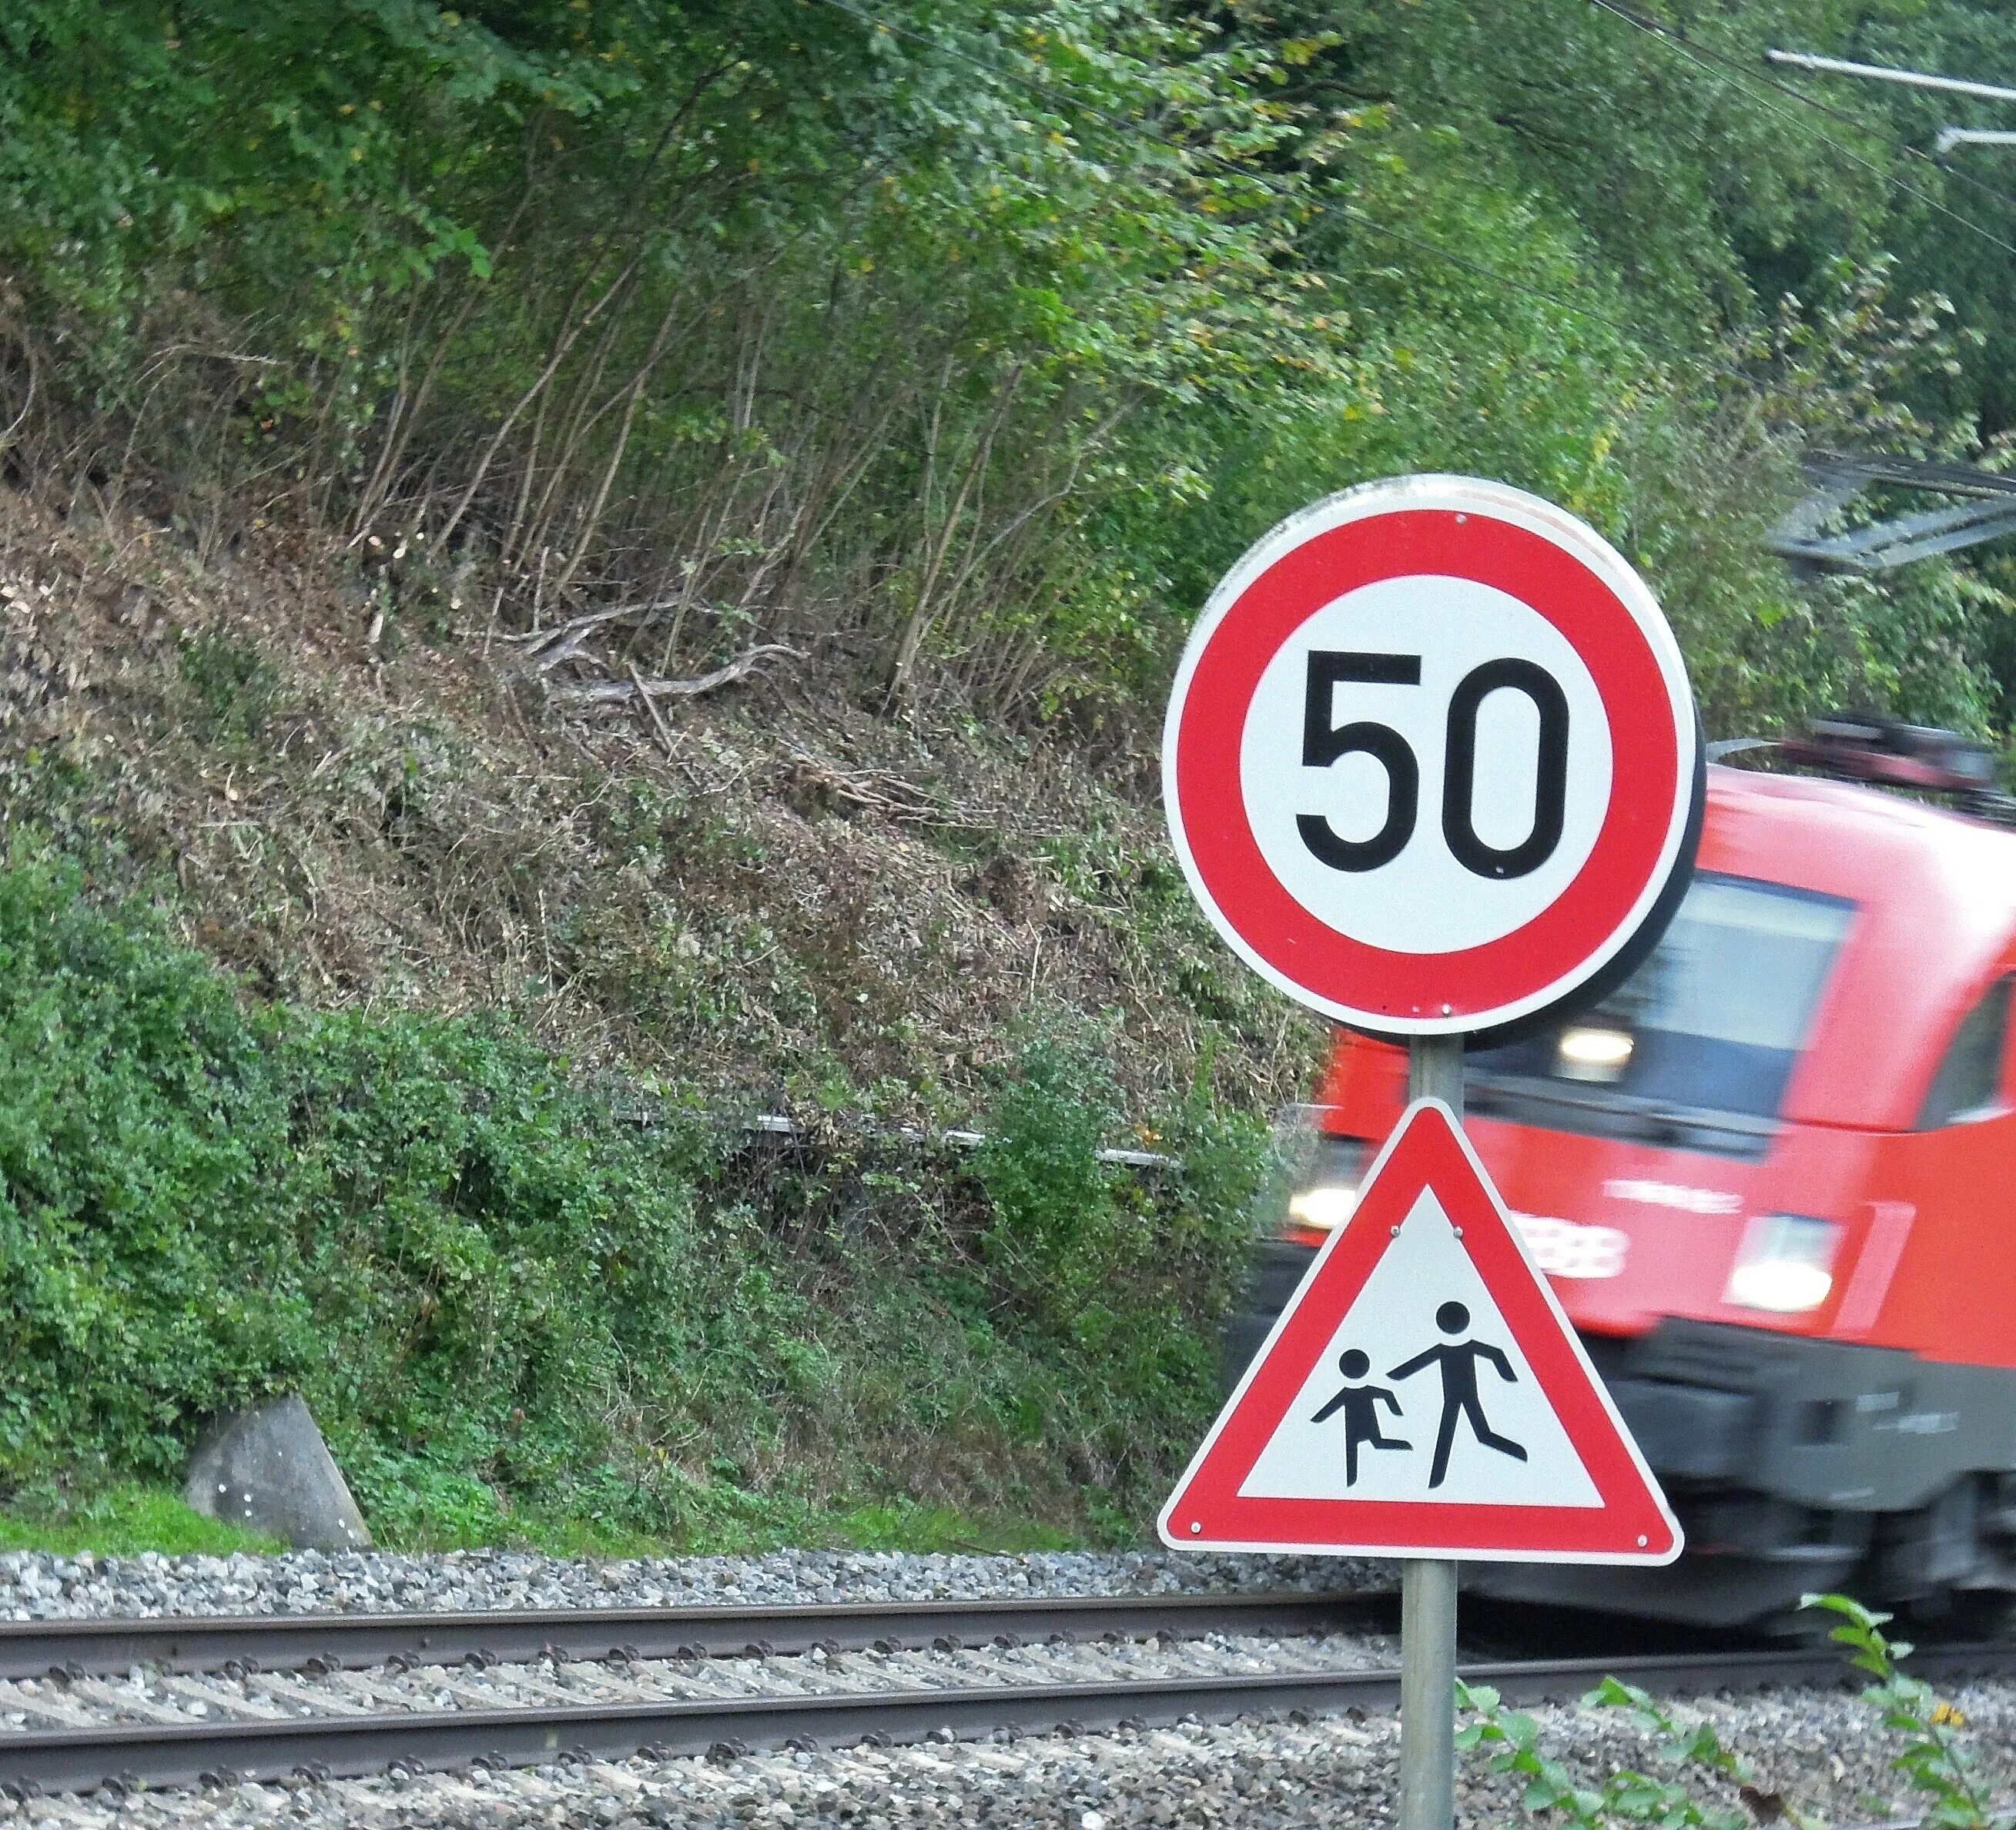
(1324, 741)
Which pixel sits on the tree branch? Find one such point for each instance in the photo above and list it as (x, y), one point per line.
(616, 692)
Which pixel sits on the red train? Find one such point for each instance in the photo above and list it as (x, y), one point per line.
(1773, 1177)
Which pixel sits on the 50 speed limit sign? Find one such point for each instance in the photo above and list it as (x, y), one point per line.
(1430, 762)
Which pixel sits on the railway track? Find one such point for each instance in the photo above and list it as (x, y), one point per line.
(932, 1671)
(275, 1642)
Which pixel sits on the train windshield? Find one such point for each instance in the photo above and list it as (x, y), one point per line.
(1711, 1023)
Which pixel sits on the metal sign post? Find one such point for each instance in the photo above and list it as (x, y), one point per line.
(1427, 1585)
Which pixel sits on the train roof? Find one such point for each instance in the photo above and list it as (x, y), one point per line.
(1936, 898)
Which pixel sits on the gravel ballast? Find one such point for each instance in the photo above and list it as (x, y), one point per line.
(1824, 1749)
(36, 1586)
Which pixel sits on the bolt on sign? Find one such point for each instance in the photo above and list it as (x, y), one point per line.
(1432, 768)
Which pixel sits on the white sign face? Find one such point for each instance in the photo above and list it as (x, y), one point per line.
(1430, 760)
(1470, 1426)
(1533, 751)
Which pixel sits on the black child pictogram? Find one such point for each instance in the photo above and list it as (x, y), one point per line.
(1360, 1405)
(1459, 1364)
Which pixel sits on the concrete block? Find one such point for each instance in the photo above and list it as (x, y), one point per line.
(268, 1469)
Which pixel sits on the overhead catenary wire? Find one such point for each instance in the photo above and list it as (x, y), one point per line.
(1706, 56)
(1364, 219)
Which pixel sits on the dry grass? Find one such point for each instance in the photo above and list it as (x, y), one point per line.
(368, 792)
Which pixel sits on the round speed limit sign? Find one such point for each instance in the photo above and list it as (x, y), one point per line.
(1431, 762)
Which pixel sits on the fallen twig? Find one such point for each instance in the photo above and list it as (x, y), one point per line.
(883, 791)
(615, 691)
(550, 647)
(538, 640)
(869, 788)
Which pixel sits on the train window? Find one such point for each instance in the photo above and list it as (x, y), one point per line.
(1714, 1019)
(1969, 1083)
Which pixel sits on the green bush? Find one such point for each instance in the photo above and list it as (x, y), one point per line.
(414, 1218)
(1058, 1224)
(502, 1302)
(498, 1277)
(1124, 1279)
(146, 1269)
(231, 688)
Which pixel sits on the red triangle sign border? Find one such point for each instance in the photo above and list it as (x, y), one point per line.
(1631, 1524)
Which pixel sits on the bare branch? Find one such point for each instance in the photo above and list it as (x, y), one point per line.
(885, 791)
(550, 647)
(615, 691)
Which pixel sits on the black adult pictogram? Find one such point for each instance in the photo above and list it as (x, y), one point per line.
(1459, 1364)
(1360, 1405)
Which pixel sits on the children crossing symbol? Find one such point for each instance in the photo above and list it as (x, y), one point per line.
(1422, 1395)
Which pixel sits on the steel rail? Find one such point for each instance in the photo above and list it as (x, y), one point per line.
(126, 1756)
(270, 1642)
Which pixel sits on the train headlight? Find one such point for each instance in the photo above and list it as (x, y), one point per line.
(1589, 1054)
(1785, 1264)
(1327, 1193)
(1324, 1208)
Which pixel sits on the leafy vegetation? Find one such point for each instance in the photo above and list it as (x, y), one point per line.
(1932, 1758)
(961, 344)
(120, 1519)
(499, 1297)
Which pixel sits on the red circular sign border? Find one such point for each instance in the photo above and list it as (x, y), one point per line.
(1580, 928)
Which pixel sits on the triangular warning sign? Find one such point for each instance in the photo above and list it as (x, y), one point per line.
(1422, 1395)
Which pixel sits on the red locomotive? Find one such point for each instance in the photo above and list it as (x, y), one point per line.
(1773, 1177)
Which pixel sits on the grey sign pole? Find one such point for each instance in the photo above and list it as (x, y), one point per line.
(1427, 1585)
